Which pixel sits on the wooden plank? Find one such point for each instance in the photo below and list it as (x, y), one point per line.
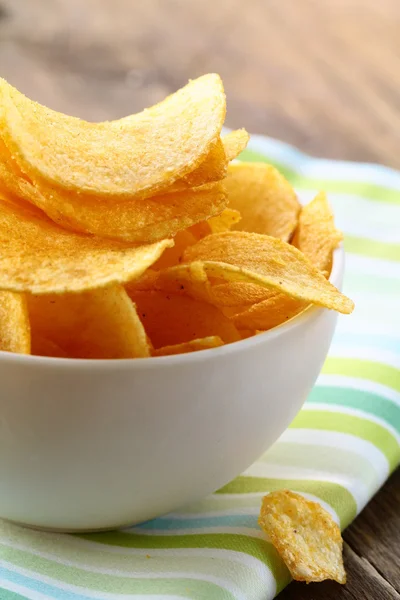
(301, 72)
(375, 535)
(363, 583)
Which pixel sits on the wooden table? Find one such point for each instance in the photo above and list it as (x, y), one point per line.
(322, 74)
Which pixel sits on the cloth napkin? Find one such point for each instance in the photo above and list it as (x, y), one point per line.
(339, 450)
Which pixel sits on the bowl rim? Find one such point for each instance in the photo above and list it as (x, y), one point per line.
(308, 314)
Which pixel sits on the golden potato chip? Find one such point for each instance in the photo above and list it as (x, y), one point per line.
(44, 347)
(139, 155)
(234, 143)
(273, 311)
(267, 261)
(95, 324)
(39, 257)
(213, 341)
(136, 220)
(305, 536)
(264, 198)
(171, 319)
(316, 235)
(14, 323)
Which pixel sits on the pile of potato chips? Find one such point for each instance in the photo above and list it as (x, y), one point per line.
(139, 237)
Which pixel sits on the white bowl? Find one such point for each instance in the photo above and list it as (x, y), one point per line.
(88, 445)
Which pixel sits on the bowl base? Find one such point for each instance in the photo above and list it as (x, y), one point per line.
(63, 530)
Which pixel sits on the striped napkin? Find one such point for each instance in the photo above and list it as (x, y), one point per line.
(339, 450)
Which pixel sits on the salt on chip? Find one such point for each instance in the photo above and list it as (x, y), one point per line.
(266, 201)
(316, 235)
(171, 319)
(207, 343)
(14, 323)
(139, 155)
(39, 257)
(266, 261)
(234, 143)
(305, 535)
(95, 324)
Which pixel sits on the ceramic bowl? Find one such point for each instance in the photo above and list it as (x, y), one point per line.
(91, 445)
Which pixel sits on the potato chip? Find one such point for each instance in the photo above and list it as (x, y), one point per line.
(213, 341)
(264, 198)
(139, 155)
(14, 323)
(305, 535)
(171, 319)
(267, 261)
(273, 311)
(136, 220)
(234, 143)
(39, 257)
(44, 347)
(316, 235)
(95, 324)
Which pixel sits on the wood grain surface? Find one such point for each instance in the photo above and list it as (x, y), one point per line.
(321, 74)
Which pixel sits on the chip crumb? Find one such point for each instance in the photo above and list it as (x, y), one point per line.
(305, 535)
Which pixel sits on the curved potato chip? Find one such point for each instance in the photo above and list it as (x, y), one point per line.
(305, 535)
(264, 198)
(213, 341)
(171, 319)
(267, 261)
(39, 257)
(139, 155)
(96, 324)
(234, 143)
(14, 323)
(316, 235)
(44, 347)
(136, 220)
